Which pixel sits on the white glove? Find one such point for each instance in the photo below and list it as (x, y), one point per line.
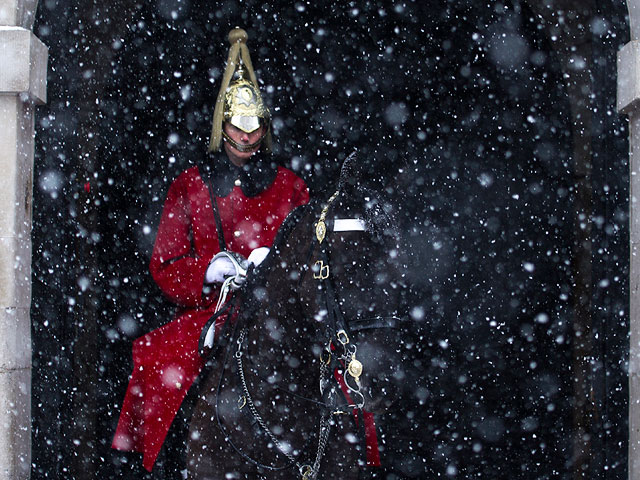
(219, 269)
(258, 255)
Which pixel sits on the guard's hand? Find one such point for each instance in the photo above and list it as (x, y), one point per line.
(219, 269)
(258, 255)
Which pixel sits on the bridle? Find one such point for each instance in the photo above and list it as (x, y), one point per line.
(336, 336)
(338, 352)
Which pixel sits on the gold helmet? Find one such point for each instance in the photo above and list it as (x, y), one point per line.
(239, 101)
(243, 106)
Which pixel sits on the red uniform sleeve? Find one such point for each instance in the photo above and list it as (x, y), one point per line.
(176, 266)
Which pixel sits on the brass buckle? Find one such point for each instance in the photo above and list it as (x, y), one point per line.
(323, 271)
(328, 359)
(342, 336)
(306, 472)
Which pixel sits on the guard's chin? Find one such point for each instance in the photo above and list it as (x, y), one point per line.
(246, 148)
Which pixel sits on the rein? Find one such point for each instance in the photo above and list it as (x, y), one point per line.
(254, 412)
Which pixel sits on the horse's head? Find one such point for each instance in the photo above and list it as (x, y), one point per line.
(288, 321)
(362, 248)
(357, 273)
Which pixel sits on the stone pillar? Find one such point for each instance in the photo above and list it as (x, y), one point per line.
(23, 73)
(629, 103)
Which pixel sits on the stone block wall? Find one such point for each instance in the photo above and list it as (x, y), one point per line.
(629, 103)
(22, 86)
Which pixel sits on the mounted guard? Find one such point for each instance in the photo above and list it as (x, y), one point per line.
(219, 216)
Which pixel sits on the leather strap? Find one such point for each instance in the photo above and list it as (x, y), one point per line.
(221, 341)
(336, 320)
(216, 216)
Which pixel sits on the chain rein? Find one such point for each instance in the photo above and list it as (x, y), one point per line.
(307, 472)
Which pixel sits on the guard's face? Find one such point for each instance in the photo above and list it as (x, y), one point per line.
(237, 157)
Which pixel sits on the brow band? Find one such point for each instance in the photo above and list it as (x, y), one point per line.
(348, 225)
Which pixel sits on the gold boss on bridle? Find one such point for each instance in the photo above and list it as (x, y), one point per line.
(321, 227)
(321, 271)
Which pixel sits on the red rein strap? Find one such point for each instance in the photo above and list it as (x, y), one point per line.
(370, 434)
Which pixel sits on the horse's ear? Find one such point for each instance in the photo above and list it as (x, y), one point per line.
(357, 176)
(363, 173)
(350, 173)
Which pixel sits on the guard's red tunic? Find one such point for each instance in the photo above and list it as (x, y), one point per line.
(166, 360)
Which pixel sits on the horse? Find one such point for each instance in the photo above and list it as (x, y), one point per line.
(319, 352)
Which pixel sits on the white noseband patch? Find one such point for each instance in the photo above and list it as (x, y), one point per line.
(348, 225)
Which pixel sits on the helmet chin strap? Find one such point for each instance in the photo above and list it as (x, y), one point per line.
(242, 147)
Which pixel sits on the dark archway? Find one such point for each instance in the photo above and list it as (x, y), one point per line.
(473, 98)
